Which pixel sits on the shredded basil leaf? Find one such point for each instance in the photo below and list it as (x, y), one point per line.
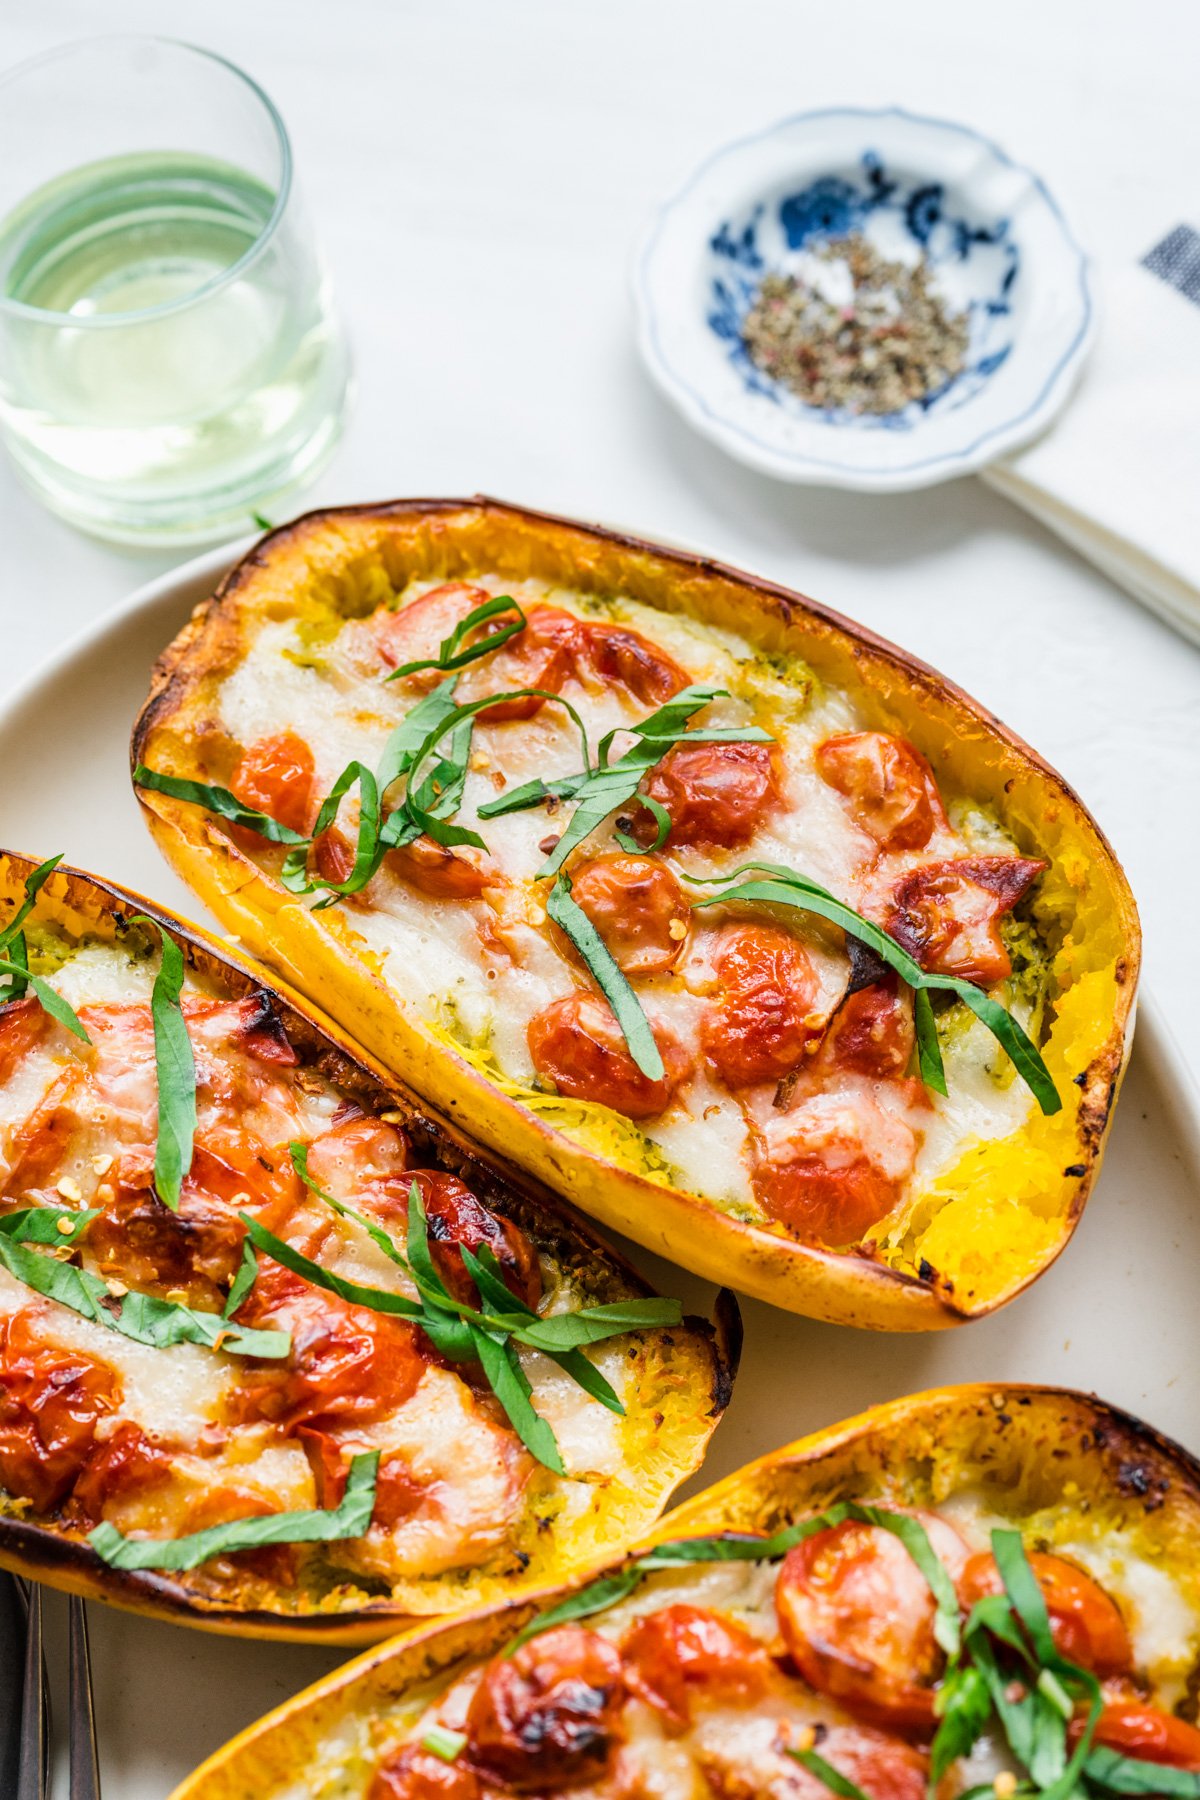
(243, 1281)
(175, 1068)
(662, 821)
(439, 1740)
(627, 1008)
(832, 1778)
(350, 1519)
(1126, 1775)
(787, 888)
(140, 1317)
(13, 938)
(452, 655)
(217, 800)
(48, 998)
(610, 785)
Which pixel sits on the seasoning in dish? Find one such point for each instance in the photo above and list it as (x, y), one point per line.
(852, 329)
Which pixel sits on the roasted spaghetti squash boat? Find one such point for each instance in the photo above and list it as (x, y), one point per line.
(279, 1354)
(983, 1590)
(740, 927)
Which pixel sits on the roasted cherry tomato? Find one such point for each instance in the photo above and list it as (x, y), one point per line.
(51, 1400)
(857, 1618)
(412, 1773)
(638, 908)
(831, 1167)
(682, 1649)
(946, 914)
(346, 1362)
(275, 776)
(1085, 1622)
(416, 632)
(194, 1251)
(542, 656)
(763, 1019)
(547, 1716)
(1145, 1733)
(577, 1044)
(441, 873)
(126, 1463)
(356, 1151)
(620, 657)
(398, 1494)
(883, 1767)
(871, 1033)
(891, 787)
(23, 1024)
(714, 793)
(458, 1221)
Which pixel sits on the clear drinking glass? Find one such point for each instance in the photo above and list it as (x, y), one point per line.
(169, 356)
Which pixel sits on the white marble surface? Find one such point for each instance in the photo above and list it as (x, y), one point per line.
(478, 170)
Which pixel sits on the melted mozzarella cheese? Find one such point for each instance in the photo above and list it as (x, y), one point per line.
(481, 970)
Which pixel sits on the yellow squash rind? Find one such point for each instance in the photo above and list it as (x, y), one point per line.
(989, 1226)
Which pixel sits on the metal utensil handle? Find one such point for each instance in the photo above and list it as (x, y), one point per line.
(85, 1769)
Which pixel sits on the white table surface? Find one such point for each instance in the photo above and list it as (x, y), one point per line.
(478, 170)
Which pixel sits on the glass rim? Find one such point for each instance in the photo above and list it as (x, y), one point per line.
(42, 315)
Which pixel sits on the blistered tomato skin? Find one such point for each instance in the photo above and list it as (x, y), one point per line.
(716, 794)
(126, 1463)
(617, 656)
(23, 1025)
(548, 1715)
(884, 1767)
(871, 1033)
(891, 788)
(416, 632)
(1146, 1733)
(762, 1020)
(682, 1651)
(857, 1619)
(459, 1221)
(946, 914)
(639, 909)
(543, 656)
(275, 776)
(51, 1401)
(416, 1774)
(1085, 1622)
(577, 1044)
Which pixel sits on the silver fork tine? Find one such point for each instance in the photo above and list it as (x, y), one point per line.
(35, 1738)
(85, 1769)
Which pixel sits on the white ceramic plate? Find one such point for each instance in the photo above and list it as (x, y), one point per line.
(1116, 1314)
(995, 242)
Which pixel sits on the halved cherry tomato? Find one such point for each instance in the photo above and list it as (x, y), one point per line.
(23, 1025)
(871, 1033)
(126, 1463)
(1085, 1622)
(546, 1716)
(194, 1251)
(884, 1767)
(441, 873)
(577, 1044)
(543, 655)
(416, 632)
(51, 1400)
(346, 1362)
(638, 908)
(1145, 1733)
(459, 1221)
(355, 1151)
(411, 1773)
(683, 1650)
(620, 657)
(946, 914)
(891, 787)
(763, 1019)
(398, 1494)
(714, 793)
(275, 775)
(857, 1618)
(831, 1166)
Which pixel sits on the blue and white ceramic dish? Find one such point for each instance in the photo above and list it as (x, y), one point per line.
(998, 248)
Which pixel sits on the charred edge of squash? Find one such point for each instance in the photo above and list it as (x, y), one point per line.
(990, 1225)
(1156, 1484)
(84, 905)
